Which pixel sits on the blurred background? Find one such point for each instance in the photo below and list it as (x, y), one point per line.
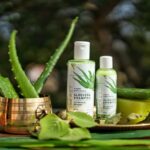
(120, 28)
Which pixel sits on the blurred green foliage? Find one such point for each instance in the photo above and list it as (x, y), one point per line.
(114, 27)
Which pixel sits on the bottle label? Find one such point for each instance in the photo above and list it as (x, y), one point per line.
(106, 95)
(80, 87)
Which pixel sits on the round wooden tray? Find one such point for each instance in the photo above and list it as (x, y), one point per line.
(121, 127)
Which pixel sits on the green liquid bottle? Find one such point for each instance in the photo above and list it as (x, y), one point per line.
(106, 90)
(80, 80)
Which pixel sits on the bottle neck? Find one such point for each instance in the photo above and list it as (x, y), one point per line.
(106, 62)
(105, 68)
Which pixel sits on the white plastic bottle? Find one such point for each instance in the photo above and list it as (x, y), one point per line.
(106, 90)
(80, 80)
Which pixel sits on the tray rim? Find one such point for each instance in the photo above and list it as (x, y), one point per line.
(121, 127)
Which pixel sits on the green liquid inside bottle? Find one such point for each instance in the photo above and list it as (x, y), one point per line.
(106, 90)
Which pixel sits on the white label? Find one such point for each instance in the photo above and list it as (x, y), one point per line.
(80, 87)
(106, 95)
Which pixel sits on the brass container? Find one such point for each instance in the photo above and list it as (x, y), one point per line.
(3, 109)
(23, 112)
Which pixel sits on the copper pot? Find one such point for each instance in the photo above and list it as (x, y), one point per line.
(21, 113)
(3, 108)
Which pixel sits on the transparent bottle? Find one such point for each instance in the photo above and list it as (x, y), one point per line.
(106, 90)
(80, 80)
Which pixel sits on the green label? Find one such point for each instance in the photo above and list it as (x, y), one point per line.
(106, 96)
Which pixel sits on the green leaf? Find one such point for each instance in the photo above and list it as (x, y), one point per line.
(121, 135)
(85, 80)
(24, 83)
(6, 88)
(76, 134)
(117, 142)
(27, 142)
(100, 142)
(111, 85)
(54, 58)
(82, 119)
(52, 127)
(84, 84)
(84, 74)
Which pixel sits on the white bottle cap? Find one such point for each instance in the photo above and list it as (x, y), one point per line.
(81, 50)
(106, 62)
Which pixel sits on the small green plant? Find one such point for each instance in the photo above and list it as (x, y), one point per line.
(85, 80)
(27, 89)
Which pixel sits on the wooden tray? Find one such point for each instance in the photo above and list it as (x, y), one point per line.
(121, 127)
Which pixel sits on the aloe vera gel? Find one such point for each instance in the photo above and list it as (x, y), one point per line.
(106, 91)
(80, 80)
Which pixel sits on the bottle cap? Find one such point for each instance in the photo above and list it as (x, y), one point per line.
(81, 50)
(106, 62)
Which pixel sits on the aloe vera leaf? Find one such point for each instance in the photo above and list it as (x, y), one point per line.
(84, 145)
(81, 83)
(88, 79)
(133, 93)
(86, 84)
(79, 77)
(117, 142)
(92, 77)
(121, 135)
(54, 58)
(85, 75)
(114, 90)
(114, 84)
(109, 84)
(24, 84)
(6, 88)
(95, 143)
(111, 87)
